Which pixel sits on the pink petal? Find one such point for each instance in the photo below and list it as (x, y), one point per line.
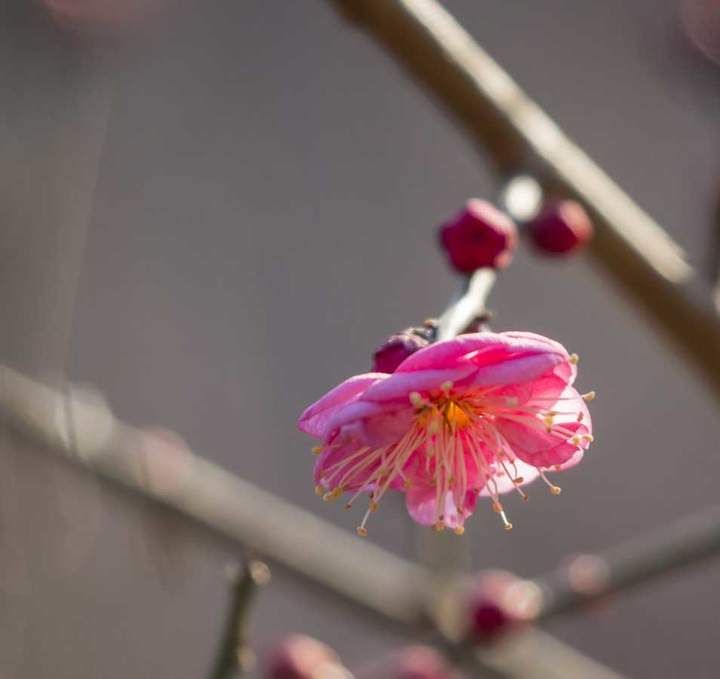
(388, 427)
(314, 419)
(537, 447)
(328, 474)
(527, 472)
(516, 370)
(422, 505)
(575, 459)
(399, 385)
(485, 347)
(347, 414)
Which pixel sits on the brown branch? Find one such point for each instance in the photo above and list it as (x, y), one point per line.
(589, 577)
(234, 658)
(630, 246)
(397, 591)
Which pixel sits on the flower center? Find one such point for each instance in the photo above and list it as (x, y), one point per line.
(455, 415)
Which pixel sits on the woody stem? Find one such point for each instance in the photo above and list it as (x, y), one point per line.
(468, 307)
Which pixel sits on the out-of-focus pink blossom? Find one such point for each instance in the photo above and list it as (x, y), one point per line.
(100, 15)
(419, 662)
(479, 236)
(497, 602)
(701, 21)
(561, 228)
(302, 657)
(478, 415)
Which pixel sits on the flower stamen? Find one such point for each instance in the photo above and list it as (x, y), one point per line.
(555, 490)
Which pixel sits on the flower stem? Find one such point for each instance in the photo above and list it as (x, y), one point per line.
(234, 657)
(468, 307)
(586, 578)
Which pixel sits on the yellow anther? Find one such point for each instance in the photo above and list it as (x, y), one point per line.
(575, 440)
(459, 530)
(416, 399)
(454, 414)
(446, 386)
(588, 437)
(507, 525)
(373, 506)
(555, 490)
(319, 490)
(574, 358)
(439, 527)
(333, 494)
(317, 450)
(361, 531)
(589, 396)
(433, 426)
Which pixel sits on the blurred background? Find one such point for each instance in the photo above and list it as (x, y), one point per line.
(213, 212)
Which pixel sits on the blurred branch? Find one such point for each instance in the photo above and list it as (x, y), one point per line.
(235, 659)
(392, 588)
(588, 577)
(633, 249)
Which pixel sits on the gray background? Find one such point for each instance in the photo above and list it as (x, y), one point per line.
(264, 214)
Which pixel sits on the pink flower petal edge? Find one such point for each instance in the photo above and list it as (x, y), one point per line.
(479, 415)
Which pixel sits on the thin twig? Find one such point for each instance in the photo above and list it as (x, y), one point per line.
(234, 658)
(633, 249)
(399, 592)
(469, 305)
(586, 578)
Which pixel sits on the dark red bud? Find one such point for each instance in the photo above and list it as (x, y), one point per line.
(499, 602)
(396, 348)
(561, 228)
(479, 236)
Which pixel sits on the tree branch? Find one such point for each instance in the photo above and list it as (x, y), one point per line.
(589, 577)
(637, 254)
(397, 591)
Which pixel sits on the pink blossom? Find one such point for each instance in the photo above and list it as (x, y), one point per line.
(302, 657)
(419, 662)
(478, 415)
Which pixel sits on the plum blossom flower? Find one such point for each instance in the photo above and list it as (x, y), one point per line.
(477, 415)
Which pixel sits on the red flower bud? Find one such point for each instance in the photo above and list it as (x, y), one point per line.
(479, 236)
(561, 228)
(498, 602)
(396, 348)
